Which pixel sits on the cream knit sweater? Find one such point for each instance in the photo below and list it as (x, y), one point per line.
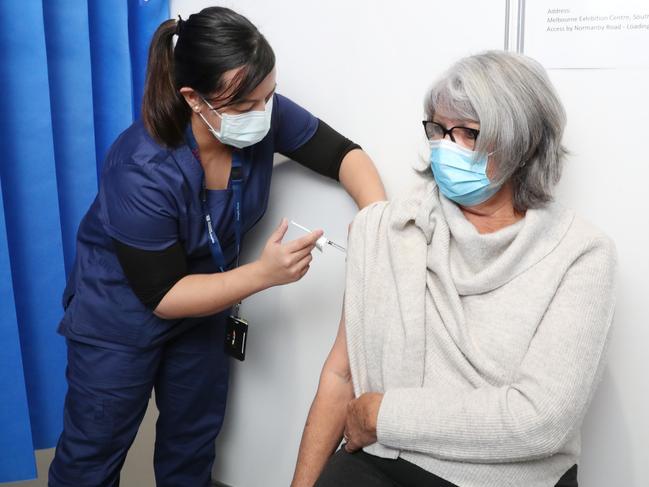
(488, 347)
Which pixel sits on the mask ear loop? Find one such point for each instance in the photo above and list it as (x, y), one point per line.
(489, 155)
(211, 107)
(209, 125)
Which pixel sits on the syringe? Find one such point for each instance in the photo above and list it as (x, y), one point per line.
(322, 241)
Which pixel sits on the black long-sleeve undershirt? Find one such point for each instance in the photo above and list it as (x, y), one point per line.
(151, 274)
(324, 151)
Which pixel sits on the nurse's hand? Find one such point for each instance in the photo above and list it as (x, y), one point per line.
(282, 263)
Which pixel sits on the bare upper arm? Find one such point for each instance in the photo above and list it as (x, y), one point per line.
(337, 363)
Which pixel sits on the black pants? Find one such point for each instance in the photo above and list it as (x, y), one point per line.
(361, 469)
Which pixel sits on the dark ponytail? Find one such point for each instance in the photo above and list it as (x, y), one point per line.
(210, 43)
(164, 111)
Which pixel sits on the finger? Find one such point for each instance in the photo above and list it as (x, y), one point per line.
(303, 272)
(280, 231)
(302, 267)
(345, 436)
(308, 240)
(347, 446)
(301, 254)
(304, 262)
(351, 446)
(305, 241)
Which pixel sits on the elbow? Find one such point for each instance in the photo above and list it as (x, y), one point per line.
(540, 428)
(336, 377)
(166, 307)
(336, 385)
(546, 435)
(342, 374)
(165, 311)
(162, 315)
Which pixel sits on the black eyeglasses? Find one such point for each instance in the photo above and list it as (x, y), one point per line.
(464, 136)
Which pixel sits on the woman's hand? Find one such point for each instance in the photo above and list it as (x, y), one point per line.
(362, 415)
(284, 263)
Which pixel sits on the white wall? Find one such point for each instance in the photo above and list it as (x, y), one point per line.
(605, 180)
(364, 66)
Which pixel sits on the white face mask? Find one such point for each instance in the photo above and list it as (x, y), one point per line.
(241, 130)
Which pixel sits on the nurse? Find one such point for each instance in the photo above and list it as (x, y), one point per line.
(156, 274)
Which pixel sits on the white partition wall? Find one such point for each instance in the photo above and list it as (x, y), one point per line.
(363, 66)
(604, 180)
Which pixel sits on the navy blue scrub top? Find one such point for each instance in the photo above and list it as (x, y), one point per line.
(150, 197)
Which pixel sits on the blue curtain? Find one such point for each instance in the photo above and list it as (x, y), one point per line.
(72, 75)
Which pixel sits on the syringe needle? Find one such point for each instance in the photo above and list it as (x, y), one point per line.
(336, 246)
(322, 240)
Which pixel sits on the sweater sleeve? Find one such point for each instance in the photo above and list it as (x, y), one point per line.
(360, 255)
(543, 406)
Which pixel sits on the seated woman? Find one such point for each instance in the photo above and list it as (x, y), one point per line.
(477, 311)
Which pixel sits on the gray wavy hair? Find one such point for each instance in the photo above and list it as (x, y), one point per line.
(521, 119)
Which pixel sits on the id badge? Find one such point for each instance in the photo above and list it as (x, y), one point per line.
(236, 334)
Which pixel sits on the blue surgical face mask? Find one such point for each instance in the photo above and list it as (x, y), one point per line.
(241, 130)
(460, 174)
